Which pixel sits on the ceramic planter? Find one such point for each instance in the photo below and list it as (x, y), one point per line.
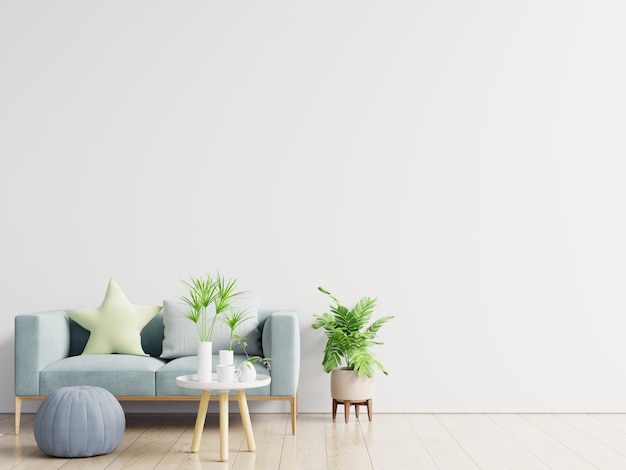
(248, 372)
(346, 385)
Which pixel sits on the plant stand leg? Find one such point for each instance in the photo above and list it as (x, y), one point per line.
(346, 409)
(335, 403)
(369, 409)
(357, 407)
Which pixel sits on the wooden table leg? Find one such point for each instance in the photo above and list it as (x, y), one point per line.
(202, 409)
(245, 419)
(223, 426)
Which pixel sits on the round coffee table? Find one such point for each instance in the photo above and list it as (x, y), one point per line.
(191, 381)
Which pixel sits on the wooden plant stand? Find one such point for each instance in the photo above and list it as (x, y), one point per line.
(346, 408)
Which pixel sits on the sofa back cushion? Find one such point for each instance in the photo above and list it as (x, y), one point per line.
(181, 334)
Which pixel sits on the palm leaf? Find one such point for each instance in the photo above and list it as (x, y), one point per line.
(374, 327)
(364, 308)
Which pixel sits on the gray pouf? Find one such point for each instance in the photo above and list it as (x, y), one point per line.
(79, 422)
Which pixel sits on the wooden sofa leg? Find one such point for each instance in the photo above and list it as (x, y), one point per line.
(294, 410)
(18, 411)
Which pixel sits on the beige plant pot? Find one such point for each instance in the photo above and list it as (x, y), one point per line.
(347, 385)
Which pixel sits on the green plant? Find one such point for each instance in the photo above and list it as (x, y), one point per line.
(242, 344)
(204, 292)
(233, 319)
(225, 293)
(349, 336)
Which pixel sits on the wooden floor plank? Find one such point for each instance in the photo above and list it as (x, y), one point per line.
(7, 424)
(307, 449)
(442, 447)
(488, 445)
(598, 430)
(345, 446)
(616, 421)
(391, 441)
(151, 447)
(576, 440)
(22, 449)
(393, 444)
(550, 451)
(180, 456)
(269, 434)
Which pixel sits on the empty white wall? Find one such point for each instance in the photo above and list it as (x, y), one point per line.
(463, 161)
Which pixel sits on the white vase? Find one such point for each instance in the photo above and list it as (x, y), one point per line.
(205, 361)
(227, 357)
(248, 372)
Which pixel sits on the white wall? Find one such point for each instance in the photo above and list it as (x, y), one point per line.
(462, 161)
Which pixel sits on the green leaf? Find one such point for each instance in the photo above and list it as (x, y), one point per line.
(232, 320)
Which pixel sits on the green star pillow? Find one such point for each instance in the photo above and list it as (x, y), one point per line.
(116, 325)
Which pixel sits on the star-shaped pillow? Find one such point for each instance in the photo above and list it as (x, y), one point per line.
(116, 325)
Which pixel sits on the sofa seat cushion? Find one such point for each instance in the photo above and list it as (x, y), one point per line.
(166, 376)
(120, 374)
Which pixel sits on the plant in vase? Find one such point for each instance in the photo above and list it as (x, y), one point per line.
(248, 371)
(223, 303)
(347, 354)
(204, 293)
(232, 320)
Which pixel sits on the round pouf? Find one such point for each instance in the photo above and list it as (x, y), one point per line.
(79, 422)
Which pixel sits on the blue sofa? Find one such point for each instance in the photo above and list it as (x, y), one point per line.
(48, 348)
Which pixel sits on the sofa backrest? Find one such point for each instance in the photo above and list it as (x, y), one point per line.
(151, 336)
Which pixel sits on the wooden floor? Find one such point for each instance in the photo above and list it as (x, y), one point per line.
(391, 441)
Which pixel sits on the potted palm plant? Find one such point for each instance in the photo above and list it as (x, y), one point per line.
(348, 353)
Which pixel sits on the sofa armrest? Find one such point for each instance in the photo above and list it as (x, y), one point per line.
(281, 342)
(40, 339)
